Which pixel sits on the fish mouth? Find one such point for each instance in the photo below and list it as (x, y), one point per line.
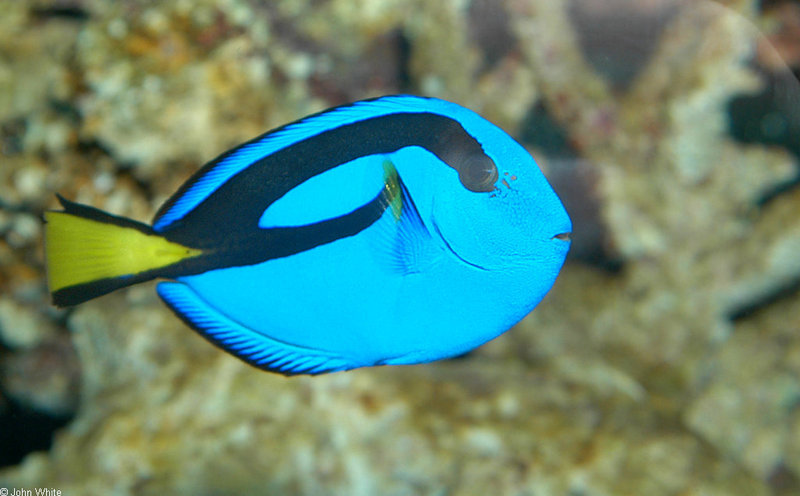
(449, 248)
(565, 236)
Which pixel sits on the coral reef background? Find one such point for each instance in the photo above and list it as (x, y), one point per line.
(666, 360)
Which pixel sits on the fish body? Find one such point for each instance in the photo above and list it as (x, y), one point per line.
(397, 230)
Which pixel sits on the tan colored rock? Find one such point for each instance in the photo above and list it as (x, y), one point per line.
(630, 382)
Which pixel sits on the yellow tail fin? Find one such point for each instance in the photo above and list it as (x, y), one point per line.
(89, 253)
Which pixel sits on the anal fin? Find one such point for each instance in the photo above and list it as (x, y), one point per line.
(250, 346)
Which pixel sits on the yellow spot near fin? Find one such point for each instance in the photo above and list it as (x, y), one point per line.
(392, 185)
(80, 250)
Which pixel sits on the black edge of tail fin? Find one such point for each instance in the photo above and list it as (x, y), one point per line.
(93, 213)
(79, 293)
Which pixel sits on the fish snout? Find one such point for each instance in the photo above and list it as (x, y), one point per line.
(565, 236)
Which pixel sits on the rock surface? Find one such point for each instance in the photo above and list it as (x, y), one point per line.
(676, 373)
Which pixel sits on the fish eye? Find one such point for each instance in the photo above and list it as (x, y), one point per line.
(478, 173)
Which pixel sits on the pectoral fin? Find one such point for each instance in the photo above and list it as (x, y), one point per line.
(404, 243)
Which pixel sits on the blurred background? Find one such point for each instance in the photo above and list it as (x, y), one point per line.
(666, 359)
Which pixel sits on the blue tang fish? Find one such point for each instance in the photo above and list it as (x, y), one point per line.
(397, 230)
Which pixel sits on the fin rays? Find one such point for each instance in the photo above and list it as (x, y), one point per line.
(246, 344)
(90, 252)
(404, 241)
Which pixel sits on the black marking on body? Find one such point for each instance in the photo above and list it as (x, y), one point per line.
(225, 224)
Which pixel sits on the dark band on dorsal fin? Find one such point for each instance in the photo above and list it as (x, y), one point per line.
(219, 208)
(234, 208)
(217, 172)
